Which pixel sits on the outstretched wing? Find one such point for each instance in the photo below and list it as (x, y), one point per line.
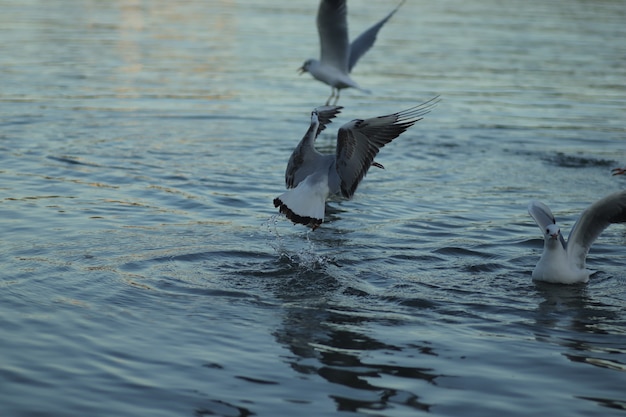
(325, 115)
(359, 141)
(364, 42)
(332, 26)
(543, 217)
(297, 167)
(597, 217)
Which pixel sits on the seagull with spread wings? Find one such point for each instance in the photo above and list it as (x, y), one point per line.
(564, 262)
(311, 177)
(337, 55)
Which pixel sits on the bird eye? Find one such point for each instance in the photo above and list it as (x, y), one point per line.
(548, 231)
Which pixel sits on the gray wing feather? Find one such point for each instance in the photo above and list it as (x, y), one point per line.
(597, 217)
(542, 214)
(325, 115)
(297, 167)
(359, 141)
(543, 217)
(364, 42)
(332, 26)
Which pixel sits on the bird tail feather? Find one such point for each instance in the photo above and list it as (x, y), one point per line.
(306, 203)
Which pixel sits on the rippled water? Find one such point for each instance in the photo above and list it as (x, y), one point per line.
(145, 271)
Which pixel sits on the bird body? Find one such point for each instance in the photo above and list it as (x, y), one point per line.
(312, 177)
(555, 265)
(565, 262)
(330, 75)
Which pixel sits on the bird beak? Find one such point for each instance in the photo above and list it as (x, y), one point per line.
(301, 70)
(554, 236)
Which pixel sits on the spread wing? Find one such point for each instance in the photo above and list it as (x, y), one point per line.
(359, 141)
(543, 217)
(325, 115)
(597, 217)
(542, 214)
(332, 26)
(364, 42)
(297, 167)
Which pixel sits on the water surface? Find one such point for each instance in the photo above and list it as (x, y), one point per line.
(145, 271)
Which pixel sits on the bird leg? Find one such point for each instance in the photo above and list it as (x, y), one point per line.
(332, 94)
(618, 171)
(337, 96)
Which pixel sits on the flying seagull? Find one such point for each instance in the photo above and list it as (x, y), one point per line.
(311, 177)
(563, 262)
(338, 56)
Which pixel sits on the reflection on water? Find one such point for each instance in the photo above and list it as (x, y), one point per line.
(572, 308)
(328, 343)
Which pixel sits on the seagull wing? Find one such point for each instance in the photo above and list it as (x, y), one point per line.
(332, 26)
(299, 165)
(542, 214)
(325, 114)
(597, 217)
(543, 217)
(364, 42)
(359, 141)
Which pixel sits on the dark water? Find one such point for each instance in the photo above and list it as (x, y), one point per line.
(144, 269)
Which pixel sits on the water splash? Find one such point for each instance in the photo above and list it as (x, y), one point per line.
(302, 254)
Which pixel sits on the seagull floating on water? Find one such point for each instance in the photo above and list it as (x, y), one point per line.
(311, 177)
(562, 262)
(338, 56)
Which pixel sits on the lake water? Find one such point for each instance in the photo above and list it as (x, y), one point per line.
(145, 271)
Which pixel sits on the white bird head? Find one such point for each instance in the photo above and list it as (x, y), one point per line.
(552, 232)
(547, 223)
(305, 67)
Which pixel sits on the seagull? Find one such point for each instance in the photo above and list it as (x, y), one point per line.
(564, 263)
(618, 171)
(338, 56)
(311, 177)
